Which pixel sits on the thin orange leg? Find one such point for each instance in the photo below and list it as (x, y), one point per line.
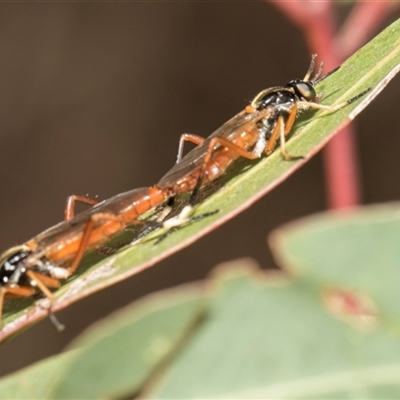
(225, 143)
(282, 130)
(185, 137)
(231, 146)
(186, 211)
(13, 292)
(83, 245)
(48, 281)
(38, 279)
(188, 137)
(43, 288)
(291, 119)
(282, 143)
(273, 138)
(69, 211)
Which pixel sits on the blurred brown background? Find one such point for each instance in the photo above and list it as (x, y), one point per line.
(93, 99)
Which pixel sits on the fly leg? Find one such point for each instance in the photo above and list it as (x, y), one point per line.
(38, 281)
(19, 291)
(156, 223)
(187, 137)
(69, 211)
(210, 150)
(100, 226)
(86, 236)
(331, 109)
(184, 216)
(43, 283)
(281, 130)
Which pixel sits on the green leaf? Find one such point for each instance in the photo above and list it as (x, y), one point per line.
(281, 342)
(357, 252)
(373, 66)
(246, 335)
(34, 382)
(116, 356)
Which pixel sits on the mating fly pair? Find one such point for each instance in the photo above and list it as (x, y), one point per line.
(38, 266)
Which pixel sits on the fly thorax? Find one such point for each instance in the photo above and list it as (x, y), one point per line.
(280, 100)
(285, 101)
(13, 269)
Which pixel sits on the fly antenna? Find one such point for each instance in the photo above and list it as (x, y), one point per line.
(310, 68)
(316, 76)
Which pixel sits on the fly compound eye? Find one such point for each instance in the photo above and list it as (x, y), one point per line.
(304, 90)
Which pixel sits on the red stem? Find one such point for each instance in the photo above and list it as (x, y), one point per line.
(362, 22)
(340, 155)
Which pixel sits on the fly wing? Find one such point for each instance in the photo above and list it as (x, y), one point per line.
(194, 159)
(67, 231)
